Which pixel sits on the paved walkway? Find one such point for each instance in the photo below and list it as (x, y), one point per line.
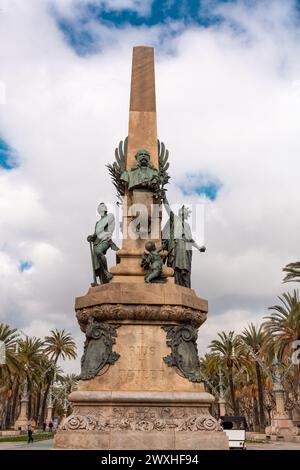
(37, 445)
(48, 444)
(274, 445)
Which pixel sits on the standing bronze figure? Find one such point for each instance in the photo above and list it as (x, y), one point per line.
(178, 241)
(100, 242)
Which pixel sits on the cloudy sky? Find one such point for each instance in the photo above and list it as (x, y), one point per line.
(228, 103)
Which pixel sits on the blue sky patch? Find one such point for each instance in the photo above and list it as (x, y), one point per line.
(200, 184)
(78, 34)
(25, 265)
(162, 11)
(8, 159)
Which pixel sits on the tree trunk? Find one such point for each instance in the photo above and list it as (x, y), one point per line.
(37, 406)
(29, 401)
(7, 413)
(44, 403)
(232, 394)
(45, 397)
(256, 415)
(15, 400)
(262, 422)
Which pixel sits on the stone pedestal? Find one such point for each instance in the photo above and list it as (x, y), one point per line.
(222, 406)
(141, 420)
(22, 421)
(49, 413)
(281, 424)
(139, 401)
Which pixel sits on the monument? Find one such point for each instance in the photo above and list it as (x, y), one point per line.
(140, 384)
(281, 424)
(22, 421)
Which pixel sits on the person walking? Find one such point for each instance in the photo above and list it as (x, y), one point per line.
(30, 432)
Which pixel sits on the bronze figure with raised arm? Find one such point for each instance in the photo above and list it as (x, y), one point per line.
(178, 241)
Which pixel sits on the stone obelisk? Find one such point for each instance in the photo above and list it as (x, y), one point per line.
(142, 129)
(142, 133)
(140, 387)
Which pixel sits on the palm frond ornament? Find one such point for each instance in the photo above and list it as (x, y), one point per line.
(163, 157)
(116, 169)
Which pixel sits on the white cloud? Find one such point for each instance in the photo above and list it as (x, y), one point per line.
(227, 106)
(230, 320)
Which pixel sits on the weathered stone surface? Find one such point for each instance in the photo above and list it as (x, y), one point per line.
(154, 440)
(162, 398)
(151, 420)
(142, 95)
(147, 313)
(282, 425)
(142, 115)
(128, 293)
(140, 367)
(140, 419)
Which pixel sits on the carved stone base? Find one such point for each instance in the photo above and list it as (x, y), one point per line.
(140, 387)
(21, 423)
(151, 440)
(141, 420)
(129, 302)
(282, 425)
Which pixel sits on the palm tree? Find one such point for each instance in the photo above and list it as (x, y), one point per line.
(293, 272)
(224, 352)
(9, 337)
(249, 392)
(9, 370)
(283, 324)
(59, 344)
(255, 337)
(31, 356)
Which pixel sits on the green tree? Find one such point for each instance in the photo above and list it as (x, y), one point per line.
(283, 324)
(292, 271)
(32, 357)
(225, 353)
(255, 337)
(59, 345)
(8, 371)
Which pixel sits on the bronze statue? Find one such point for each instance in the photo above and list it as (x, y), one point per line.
(178, 241)
(100, 242)
(153, 261)
(143, 175)
(100, 338)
